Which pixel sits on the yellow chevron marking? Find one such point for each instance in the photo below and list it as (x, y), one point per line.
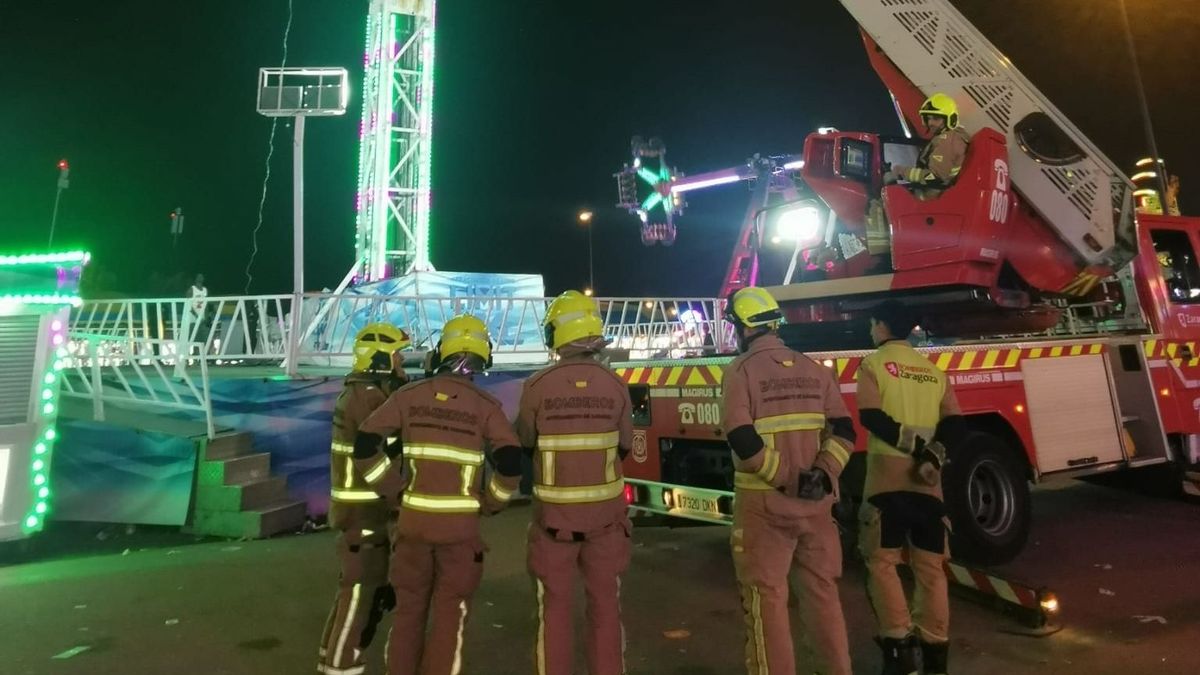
(1035, 353)
(1076, 350)
(1056, 351)
(989, 360)
(1148, 347)
(968, 359)
(636, 375)
(1012, 357)
(1171, 349)
(655, 373)
(695, 379)
(673, 377)
(717, 373)
(623, 373)
(1095, 349)
(943, 361)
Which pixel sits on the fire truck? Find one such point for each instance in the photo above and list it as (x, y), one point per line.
(1066, 320)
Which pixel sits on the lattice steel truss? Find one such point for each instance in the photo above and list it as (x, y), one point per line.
(395, 136)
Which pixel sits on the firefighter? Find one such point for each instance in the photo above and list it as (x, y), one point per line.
(576, 420)
(911, 416)
(937, 166)
(942, 157)
(438, 430)
(791, 436)
(361, 518)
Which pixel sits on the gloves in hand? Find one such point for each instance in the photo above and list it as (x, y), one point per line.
(814, 485)
(929, 461)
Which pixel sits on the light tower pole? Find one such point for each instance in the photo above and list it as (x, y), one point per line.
(64, 174)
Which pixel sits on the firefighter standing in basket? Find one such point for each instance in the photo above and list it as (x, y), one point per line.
(911, 415)
(791, 436)
(440, 430)
(575, 416)
(361, 518)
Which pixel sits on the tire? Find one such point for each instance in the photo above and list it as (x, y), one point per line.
(987, 500)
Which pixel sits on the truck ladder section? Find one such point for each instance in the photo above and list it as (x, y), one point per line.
(1078, 190)
(1037, 607)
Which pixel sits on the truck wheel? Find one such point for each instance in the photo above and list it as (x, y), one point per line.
(987, 499)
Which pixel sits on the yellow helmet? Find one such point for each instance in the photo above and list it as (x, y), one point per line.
(465, 334)
(753, 307)
(375, 344)
(941, 105)
(572, 316)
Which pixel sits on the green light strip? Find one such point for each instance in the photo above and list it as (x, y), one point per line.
(35, 299)
(39, 468)
(44, 258)
(424, 184)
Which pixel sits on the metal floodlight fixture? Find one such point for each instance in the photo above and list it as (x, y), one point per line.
(291, 92)
(800, 223)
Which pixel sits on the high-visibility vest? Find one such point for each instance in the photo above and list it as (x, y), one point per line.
(460, 498)
(769, 428)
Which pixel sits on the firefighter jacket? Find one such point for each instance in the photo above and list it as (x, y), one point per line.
(910, 397)
(940, 161)
(445, 427)
(784, 415)
(353, 504)
(576, 420)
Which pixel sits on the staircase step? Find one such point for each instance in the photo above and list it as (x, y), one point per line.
(280, 516)
(241, 496)
(229, 444)
(235, 470)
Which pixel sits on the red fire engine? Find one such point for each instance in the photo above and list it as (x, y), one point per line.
(1074, 319)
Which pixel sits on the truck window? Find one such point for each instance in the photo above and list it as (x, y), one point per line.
(856, 160)
(639, 394)
(1177, 262)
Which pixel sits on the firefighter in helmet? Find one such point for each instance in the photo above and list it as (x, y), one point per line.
(942, 157)
(576, 419)
(442, 430)
(911, 416)
(791, 436)
(361, 518)
(936, 169)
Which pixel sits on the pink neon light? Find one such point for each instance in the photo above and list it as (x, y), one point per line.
(56, 325)
(58, 339)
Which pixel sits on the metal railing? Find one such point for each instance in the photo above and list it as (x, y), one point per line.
(134, 372)
(257, 329)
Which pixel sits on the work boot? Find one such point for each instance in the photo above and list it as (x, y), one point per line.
(935, 655)
(901, 657)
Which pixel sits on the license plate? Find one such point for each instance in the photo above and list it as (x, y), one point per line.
(704, 505)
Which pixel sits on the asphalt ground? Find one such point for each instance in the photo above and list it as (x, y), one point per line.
(1125, 567)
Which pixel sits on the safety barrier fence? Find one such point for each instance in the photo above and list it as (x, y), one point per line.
(261, 329)
(134, 372)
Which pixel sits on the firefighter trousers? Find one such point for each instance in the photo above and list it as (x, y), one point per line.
(764, 550)
(890, 525)
(434, 584)
(602, 557)
(362, 598)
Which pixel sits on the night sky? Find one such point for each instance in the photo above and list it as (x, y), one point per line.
(153, 104)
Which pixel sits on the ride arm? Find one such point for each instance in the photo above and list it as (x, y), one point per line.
(750, 452)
